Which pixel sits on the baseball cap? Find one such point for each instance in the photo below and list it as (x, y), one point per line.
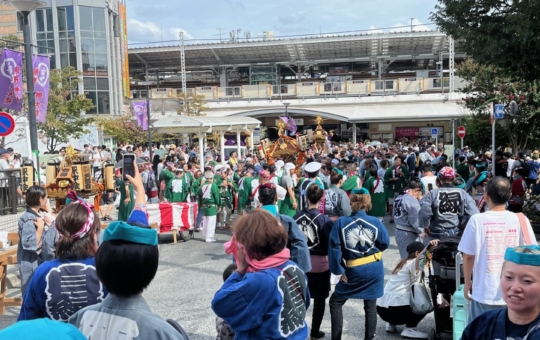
(3, 151)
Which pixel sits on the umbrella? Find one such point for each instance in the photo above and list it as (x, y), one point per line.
(120, 164)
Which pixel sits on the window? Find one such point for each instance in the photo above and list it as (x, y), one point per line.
(20, 21)
(66, 33)
(95, 58)
(45, 36)
(94, 41)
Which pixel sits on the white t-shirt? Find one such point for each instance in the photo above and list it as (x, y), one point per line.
(426, 181)
(397, 289)
(510, 167)
(96, 156)
(486, 237)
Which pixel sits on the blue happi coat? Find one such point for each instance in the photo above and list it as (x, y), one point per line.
(354, 237)
(491, 325)
(269, 304)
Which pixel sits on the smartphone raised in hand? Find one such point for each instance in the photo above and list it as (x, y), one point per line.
(129, 167)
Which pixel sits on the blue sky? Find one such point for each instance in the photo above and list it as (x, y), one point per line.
(162, 20)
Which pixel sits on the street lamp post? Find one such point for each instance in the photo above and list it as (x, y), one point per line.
(26, 7)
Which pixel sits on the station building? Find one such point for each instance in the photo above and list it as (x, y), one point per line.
(366, 86)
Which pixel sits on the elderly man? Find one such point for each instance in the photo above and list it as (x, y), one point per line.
(483, 253)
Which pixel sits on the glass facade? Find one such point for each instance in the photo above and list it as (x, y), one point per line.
(82, 36)
(94, 57)
(45, 34)
(66, 34)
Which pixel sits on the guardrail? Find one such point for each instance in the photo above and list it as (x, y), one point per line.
(9, 199)
(359, 87)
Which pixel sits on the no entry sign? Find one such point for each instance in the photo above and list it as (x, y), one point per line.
(461, 132)
(7, 124)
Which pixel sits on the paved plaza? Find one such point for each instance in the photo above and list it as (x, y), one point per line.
(191, 272)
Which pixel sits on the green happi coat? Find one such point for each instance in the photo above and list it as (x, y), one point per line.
(376, 188)
(209, 199)
(244, 191)
(194, 188)
(397, 186)
(227, 193)
(286, 207)
(351, 183)
(179, 189)
(167, 176)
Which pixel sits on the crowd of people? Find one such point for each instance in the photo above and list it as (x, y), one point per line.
(300, 229)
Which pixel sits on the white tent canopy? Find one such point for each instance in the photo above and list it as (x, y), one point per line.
(183, 124)
(203, 125)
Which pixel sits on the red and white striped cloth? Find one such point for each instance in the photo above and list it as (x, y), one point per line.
(172, 216)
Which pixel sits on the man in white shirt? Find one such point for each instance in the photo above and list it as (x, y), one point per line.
(484, 243)
(429, 180)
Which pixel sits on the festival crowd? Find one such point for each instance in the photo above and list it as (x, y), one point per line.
(300, 229)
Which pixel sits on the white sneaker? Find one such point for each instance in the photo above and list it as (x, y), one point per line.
(210, 240)
(413, 333)
(391, 328)
(218, 225)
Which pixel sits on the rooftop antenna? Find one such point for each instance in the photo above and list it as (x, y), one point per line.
(220, 34)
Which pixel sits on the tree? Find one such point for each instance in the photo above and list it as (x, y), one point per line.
(503, 33)
(126, 130)
(486, 84)
(13, 42)
(64, 120)
(191, 105)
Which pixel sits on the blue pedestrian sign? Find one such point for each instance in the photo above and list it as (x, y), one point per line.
(499, 111)
(434, 132)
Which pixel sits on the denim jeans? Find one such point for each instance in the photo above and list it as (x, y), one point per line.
(336, 316)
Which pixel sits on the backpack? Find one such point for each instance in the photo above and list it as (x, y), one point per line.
(309, 228)
(526, 167)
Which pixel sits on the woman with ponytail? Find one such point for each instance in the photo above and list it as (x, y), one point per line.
(62, 286)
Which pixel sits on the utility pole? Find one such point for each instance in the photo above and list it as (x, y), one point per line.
(412, 24)
(219, 29)
(183, 69)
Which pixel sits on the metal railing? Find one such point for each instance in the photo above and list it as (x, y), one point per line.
(10, 200)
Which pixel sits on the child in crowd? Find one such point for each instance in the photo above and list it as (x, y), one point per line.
(224, 331)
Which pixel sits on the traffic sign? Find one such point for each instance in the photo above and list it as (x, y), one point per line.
(7, 124)
(499, 111)
(434, 133)
(461, 132)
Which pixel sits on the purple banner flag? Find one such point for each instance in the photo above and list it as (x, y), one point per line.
(290, 123)
(139, 110)
(11, 89)
(42, 77)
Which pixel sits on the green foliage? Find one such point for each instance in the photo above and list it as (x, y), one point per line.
(486, 85)
(64, 119)
(191, 105)
(126, 130)
(12, 42)
(503, 33)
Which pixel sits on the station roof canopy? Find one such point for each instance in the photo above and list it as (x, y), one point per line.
(297, 51)
(196, 124)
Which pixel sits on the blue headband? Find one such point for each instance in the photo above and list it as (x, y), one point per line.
(480, 165)
(338, 171)
(360, 191)
(481, 178)
(125, 232)
(527, 259)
